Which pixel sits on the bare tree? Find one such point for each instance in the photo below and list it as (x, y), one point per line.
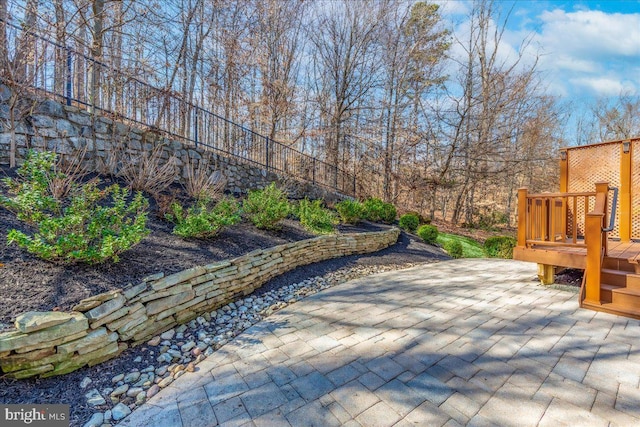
(18, 69)
(344, 48)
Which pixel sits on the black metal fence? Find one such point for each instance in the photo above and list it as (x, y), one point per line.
(76, 79)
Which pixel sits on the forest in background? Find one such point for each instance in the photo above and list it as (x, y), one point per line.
(435, 121)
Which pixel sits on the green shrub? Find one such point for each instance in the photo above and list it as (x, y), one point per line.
(409, 222)
(422, 218)
(500, 247)
(378, 211)
(350, 211)
(428, 233)
(454, 249)
(314, 217)
(203, 219)
(470, 247)
(90, 225)
(265, 208)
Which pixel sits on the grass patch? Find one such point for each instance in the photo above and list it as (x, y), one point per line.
(470, 248)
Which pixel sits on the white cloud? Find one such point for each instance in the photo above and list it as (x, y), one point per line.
(452, 8)
(591, 52)
(603, 86)
(581, 53)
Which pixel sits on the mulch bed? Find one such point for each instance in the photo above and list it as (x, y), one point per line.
(28, 283)
(569, 277)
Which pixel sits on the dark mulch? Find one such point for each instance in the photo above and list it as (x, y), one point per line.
(28, 283)
(569, 277)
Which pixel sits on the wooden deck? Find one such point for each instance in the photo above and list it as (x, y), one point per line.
(575, 256)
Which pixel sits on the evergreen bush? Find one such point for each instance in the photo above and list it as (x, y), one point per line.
(265, 208)
(314, 217)
(454, 249)
(350, 211)
(500, 247)
(428, 233)
(203, 219)
(409, 222)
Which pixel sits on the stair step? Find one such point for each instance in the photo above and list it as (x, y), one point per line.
(614, 308)
(633, 281)
(614, 277)
(606, 291)
(618, 264)
(626, 297)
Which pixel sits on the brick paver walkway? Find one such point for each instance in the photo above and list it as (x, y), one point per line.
(474, 342)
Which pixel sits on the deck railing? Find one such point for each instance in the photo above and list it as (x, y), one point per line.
(569, 219)
(553, 219)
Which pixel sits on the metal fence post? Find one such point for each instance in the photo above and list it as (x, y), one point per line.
(68, 77)
(196, 130)
(266, 160)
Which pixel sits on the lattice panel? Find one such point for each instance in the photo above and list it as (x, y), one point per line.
(635, 189)
(588, 165)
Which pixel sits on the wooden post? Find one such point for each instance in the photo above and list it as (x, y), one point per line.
(624, 193)
(596, 244)
(593, 231)
(564, 171)
(601, 206)
(546, 274)
(522, 217)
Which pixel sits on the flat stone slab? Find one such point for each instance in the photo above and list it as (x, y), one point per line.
(475, 341)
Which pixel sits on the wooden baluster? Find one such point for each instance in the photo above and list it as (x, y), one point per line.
(523, 220)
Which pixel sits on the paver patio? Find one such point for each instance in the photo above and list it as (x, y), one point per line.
(475, 342)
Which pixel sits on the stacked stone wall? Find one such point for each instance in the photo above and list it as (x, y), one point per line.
(68, 130)
(102, 326)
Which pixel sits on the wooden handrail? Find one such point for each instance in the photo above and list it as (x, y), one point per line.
(549, 195)
(551, 219)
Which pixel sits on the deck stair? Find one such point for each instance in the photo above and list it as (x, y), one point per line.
(619, 288)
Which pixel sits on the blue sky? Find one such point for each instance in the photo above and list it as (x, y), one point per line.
(587, 49)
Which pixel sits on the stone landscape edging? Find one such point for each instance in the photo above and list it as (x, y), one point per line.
(102, 326)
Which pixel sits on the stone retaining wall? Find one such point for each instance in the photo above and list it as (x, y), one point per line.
(102, 326)
(66, 129)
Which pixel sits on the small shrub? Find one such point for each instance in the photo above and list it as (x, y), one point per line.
(422, 218)
(200, 184)
(378, 211)
(454, 249)
(428, 233)
(147, 171)
(203, 219)
(314, 217)
(500, 247)
(92, 225)
(350, 211)
(265, 208)
(409, 222)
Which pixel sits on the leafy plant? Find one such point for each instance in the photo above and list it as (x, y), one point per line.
(350, 211)
(376, 210)
(265, 208)
(93, 225)
(454, 249)
(409, 222)
(314, 217)
(500, 247)
(203, 219)
(428, 233)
